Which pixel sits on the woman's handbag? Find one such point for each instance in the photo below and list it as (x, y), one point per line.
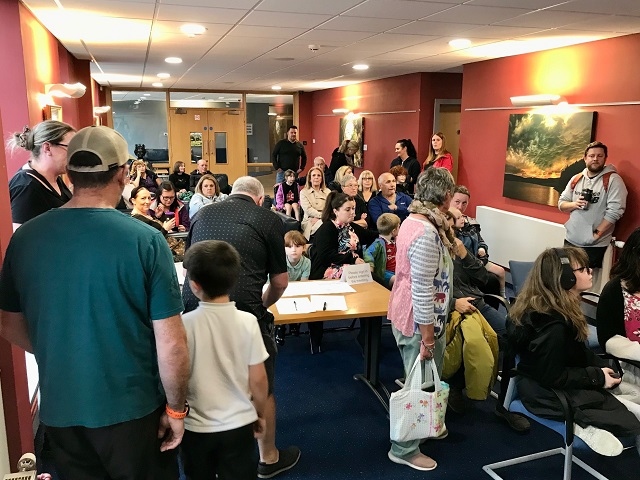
(415, 414)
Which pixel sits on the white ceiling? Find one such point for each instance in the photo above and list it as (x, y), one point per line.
(254, 44)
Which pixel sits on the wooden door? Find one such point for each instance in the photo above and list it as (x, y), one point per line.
(227, 143)
(185, 130)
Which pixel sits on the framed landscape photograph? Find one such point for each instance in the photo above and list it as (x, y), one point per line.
(352, 128)
(540, 147)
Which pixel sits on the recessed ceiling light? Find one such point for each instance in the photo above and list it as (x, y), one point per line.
(360, 66)
(220, 98)
(460, 43)
(146, 94)
(276, 87)
(164, 75)
(173, 60)
(272, 114)
(192, 29)
(156, 84)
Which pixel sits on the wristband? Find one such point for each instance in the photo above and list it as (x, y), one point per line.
(177, 415)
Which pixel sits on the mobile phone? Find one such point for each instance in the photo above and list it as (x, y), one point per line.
(614, 375)
(170, 215)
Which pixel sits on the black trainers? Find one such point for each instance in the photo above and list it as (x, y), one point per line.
(456, 401)
(517, 422)
(316, 345)
(281, 331)
(288, 458)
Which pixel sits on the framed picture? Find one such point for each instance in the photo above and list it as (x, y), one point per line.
(52, 112)
(352, 128)
(541, 150)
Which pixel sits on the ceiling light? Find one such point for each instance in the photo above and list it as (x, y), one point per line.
(163, 75)
(340, 111)
(146, 94)
(191, 29)
(156, 84)
(460, 43)
(276, 87)
(220, 98)
(360, 66)
(101, 110)
(272, 114)
(173, 60)
(537, 100)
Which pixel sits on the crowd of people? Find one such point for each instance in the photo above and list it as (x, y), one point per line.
(172, 362)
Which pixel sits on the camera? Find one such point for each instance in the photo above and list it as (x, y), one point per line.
(587, 196)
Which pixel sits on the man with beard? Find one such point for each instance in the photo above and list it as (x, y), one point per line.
(595, 199)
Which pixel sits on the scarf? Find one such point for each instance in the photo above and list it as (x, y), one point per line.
(438, 220)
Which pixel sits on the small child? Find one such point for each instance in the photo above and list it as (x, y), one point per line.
(288, 196)
(227, 389)
(401, 175)
(381, 254)
(298, 268)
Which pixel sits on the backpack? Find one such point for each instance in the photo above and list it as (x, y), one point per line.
(605, 180)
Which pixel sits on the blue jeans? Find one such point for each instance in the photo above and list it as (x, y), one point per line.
(497, 321)
(279, 176)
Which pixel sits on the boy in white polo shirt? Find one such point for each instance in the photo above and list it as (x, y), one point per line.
(227, 371)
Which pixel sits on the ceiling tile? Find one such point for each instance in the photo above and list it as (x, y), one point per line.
(180, 13)
(500, 31)
(423, 27)
(284, 33)
(476, 15)
(610, 23)
(295, 20)
(171, 27)
(112, 8)
(331, 37)
(616, 7)
(548, 19)
(392, 41)
(528, 4)
(241, 4)
(327, 7)
(362, 24)
(399, 9)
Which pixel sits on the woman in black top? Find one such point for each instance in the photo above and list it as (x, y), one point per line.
(37, 186)
(337, 242)
(343, 155)
(179, 178)
(407, 154)
(548, 331)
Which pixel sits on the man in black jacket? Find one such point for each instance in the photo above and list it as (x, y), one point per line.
(288, 154)
(194, 177)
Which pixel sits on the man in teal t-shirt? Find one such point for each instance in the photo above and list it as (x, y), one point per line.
(101, 313)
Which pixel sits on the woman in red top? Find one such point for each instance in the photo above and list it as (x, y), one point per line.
(439, 156)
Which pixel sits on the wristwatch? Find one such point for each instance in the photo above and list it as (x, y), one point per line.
(177, 415)
(596, 232)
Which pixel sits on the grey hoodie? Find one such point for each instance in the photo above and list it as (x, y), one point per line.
(609, 204)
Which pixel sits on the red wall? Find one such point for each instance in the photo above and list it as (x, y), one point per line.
(412, 96)
(595, 72)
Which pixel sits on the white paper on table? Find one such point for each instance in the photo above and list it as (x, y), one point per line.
(317, 288)
(179, 272)
(328, 302)
(290, 306)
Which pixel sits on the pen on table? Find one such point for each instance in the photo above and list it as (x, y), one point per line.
(294, 305)
(324, 307)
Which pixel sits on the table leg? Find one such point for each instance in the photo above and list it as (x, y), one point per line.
(372, 333)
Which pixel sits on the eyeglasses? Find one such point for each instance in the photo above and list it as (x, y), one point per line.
(65, 145)
(582, 269)
(167, 198)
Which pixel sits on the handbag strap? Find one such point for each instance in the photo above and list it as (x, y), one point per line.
(414, 378)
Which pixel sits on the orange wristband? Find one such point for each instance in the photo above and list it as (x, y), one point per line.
(177, 415)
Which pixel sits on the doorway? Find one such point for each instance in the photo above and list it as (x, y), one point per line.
(447, 120)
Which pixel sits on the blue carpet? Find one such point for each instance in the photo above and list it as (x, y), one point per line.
(343, 431)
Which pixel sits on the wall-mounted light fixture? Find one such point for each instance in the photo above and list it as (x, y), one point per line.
(65, 90)
(340, 111)
(101, 110)
(538, 100)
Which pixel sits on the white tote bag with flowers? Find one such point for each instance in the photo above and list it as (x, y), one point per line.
(414, 413)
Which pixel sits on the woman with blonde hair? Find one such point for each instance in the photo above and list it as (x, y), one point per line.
(38, 187)
(312, 200)
(141, 176)
(343, 155)
(548, 332)
(367, 186)
(439, 156)
(207, 192)
(343, 171)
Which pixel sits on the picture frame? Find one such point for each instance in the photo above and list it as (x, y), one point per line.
(52, 112)
(352, 128)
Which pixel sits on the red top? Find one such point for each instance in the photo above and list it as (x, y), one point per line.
(631, 316)
(390, 248)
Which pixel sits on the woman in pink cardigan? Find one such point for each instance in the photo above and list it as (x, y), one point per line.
(420, 299)
(439, 156)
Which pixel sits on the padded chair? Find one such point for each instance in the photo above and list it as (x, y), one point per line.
(519, 272)
(514, 404)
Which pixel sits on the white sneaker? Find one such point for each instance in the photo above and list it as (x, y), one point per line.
(600, 441)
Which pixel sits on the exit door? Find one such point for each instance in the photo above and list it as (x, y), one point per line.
(218, 136)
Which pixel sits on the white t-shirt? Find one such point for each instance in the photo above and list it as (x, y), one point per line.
(223, 343)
